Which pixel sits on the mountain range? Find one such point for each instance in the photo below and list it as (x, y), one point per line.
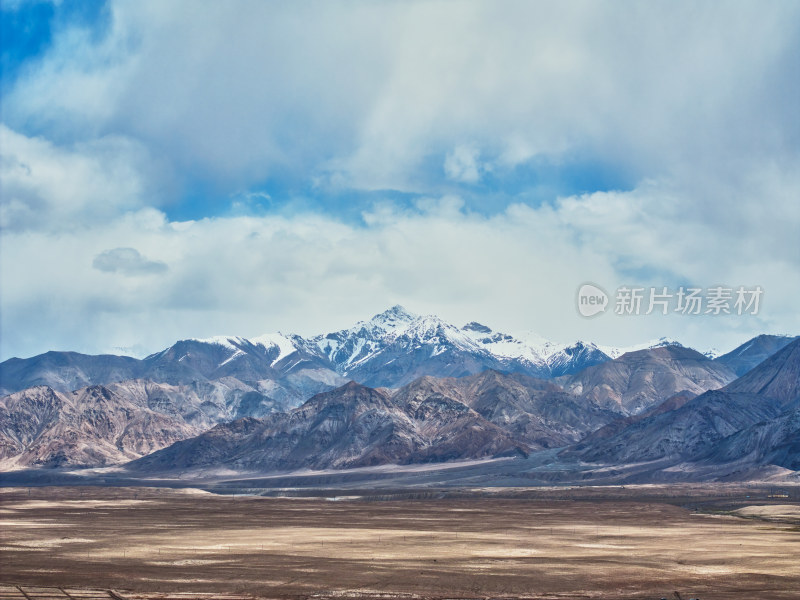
(391, 349)
(752, 420)
(399, 389)
(491, 414)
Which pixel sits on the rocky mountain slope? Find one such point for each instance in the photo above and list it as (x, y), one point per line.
(535, 411)
(272, 365)
(429, 420)
(753, 352)
(639, 380)
(115, 423)
(98, 425)
(772, 442)
(65, 371)
(351, 426)
(754, 416)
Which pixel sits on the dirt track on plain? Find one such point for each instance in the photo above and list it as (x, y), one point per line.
(149, 541)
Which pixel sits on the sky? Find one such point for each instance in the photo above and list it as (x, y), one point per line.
(174, 168)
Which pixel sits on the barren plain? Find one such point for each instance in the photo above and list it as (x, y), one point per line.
(645, 542)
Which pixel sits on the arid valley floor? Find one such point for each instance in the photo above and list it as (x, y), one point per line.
(709, 542)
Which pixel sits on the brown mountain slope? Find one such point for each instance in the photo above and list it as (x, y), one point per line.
(639, 380)
(102, 425)
(351, 426)
(707, 426)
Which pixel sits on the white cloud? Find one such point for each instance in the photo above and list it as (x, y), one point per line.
(516, 270)
(367, 94)
(695, 103)
(461, 164)
(53, 188)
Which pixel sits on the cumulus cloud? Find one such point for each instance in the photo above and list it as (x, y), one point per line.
(515, 270)
(127, 261)
(695, 105)
(49, 187)
(374, 92)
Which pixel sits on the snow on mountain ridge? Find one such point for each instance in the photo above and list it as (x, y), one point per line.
(240, 346)
(361, 341)
(431, 328)
(403, 331)
(227, 341)
(350, 348)
(505, 346)
(286, 346)
(616, 352)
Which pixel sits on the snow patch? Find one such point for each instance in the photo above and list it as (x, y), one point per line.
(230, 342)
(285, 345)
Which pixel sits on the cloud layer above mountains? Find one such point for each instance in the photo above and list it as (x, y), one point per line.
(172, 170)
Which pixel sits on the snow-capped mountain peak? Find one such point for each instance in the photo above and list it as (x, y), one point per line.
(394, 319)
(390, 331)
(396, 345)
